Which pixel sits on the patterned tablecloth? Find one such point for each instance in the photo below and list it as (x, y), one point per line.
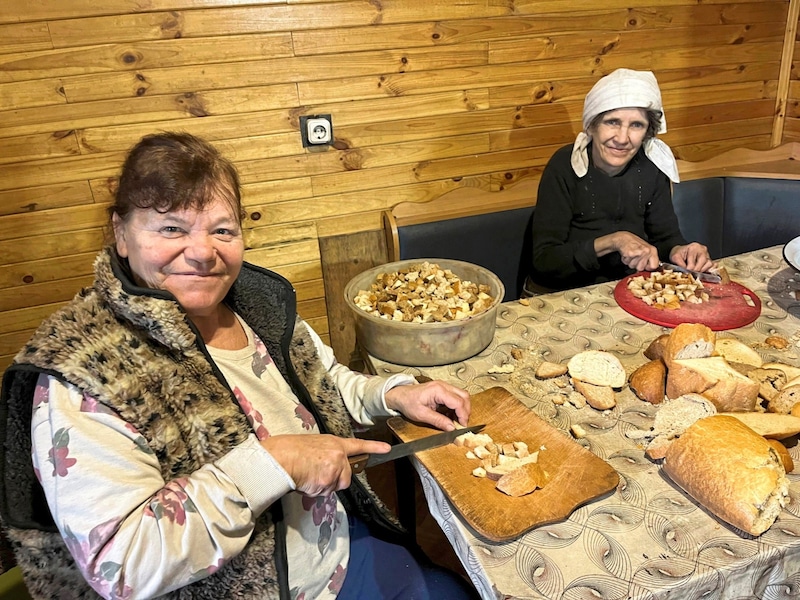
(648, 539)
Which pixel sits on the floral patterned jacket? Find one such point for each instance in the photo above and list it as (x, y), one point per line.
(91, 344)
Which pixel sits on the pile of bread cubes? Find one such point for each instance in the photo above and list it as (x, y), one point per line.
(721, 411)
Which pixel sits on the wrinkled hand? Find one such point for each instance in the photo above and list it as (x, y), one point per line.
(693, 256)
(318, 464)
(633, 250)
(419, 403)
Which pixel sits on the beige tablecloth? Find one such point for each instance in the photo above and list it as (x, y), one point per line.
(647, 539)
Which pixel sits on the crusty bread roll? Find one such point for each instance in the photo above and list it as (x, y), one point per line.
(600, 397)
(597, 367)
(731, 470)
(714, 378)
(733, 350)
(689, 340)
(648, 381)
(783, 453)
(656, 348)
(769, 425)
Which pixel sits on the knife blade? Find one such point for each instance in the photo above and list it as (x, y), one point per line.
(709, 277)
(359, 462)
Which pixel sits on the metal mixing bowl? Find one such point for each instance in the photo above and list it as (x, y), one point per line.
(425, 344)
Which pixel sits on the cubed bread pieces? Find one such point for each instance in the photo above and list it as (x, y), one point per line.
(598, 368)
(731, 470)
(648, 382)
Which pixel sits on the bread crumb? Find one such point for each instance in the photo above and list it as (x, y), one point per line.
(578, 431)
(778, 342)
(524, 302)
(516, 353)
(507, 368)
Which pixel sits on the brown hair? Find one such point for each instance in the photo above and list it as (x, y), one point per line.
(170, 171)
(653, 121)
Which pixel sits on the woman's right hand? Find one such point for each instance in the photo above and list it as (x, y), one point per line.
(633, 250)
(318, 464)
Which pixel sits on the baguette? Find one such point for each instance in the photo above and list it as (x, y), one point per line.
(731, 470)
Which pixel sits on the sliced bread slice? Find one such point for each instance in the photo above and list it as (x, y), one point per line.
(715, 379)
(597, 367)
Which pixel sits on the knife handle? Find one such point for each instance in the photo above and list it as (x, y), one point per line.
(358, 462)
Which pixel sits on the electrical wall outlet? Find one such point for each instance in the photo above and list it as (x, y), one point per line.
(316, 130)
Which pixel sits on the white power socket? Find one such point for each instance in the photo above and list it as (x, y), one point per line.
(316, 130)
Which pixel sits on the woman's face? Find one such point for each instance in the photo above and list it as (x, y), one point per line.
(617, 138)
(194, 254)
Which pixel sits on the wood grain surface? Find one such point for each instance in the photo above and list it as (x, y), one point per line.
(576, 475)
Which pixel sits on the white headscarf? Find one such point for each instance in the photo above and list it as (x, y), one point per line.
(625, 88)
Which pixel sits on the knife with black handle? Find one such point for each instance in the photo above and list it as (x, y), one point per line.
(359, 462)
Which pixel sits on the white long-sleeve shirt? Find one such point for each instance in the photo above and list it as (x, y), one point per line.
(135, 535)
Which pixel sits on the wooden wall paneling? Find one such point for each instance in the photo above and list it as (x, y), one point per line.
(83, 115)
(108, 58)
(32, 199)
(291, 231)
(54, 246)
(303, 271)
(52, 221)
(39, 145)
(37, 294)
(24, 37)
(52, 171)
(25, 319)
(127, 84)
(46, 270)
(41, 92)
(787, 57)
(452, 31)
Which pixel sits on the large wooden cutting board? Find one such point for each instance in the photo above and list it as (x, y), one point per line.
(576, 475)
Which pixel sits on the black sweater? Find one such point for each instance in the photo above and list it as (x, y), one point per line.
(571, 212)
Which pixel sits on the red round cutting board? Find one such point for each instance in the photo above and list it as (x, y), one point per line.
(725, 309)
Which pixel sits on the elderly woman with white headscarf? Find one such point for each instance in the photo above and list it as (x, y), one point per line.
(604, 208)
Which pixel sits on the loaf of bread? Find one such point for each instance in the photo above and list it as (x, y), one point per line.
(689, 340)
(785, 401)
(598, 368)
(731, 471)
(714, 378)
(791, 371)
(770, 382)
(786, 459)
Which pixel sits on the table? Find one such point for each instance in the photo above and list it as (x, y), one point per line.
(648, 539)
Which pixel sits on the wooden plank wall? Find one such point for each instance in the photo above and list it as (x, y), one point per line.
(426, 96)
